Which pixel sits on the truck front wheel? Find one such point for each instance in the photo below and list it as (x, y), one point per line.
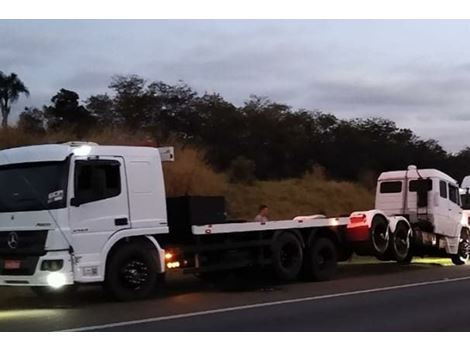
(131, 272)
(463, 253)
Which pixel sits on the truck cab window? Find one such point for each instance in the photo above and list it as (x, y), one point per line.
(443, 189)
(453, 194)
(96, 180)
(421, 184)
(390, 187)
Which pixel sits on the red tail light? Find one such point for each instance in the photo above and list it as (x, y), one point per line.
(358, 219)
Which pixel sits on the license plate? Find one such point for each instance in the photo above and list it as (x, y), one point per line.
(12, 264)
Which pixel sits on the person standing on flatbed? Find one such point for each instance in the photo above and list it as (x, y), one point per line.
(262, 213)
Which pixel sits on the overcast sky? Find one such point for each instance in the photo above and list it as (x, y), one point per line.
(416, 73)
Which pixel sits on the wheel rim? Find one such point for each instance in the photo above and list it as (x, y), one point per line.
(380, 238)
(401, 242)
(289, 255)
(464, 249)
(135, 273)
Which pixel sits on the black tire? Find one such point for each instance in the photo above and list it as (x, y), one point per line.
(321, 260)
(379, 238)
(463, 253)
(131, 272)
(409, 257)
(287, 256)
(400, 243)
(46, 291)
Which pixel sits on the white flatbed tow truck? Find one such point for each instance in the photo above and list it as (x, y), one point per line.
(79, 213)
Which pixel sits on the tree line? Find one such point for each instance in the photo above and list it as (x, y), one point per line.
(261, 139)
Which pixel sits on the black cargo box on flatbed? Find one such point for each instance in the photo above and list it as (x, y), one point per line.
(183, 212)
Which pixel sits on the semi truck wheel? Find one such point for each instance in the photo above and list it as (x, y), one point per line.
(379, 237)
(321, 260)
(131, 272)
(400, 243)
(463, 253)
(287, 256)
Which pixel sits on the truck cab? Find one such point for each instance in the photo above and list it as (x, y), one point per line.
(64, 207)
(427, 197)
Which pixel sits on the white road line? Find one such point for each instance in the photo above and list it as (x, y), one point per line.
(266, 304)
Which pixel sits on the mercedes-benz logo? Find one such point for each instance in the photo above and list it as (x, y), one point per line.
(13, 240)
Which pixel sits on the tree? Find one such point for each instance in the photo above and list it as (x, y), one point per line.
(130, 102)
(102, 108)
(32, 121)
(66, 113)
(262, 139)
(11, 87)
(173, 111)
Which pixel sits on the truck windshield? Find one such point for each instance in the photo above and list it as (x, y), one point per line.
(465, 198)
(33, 186)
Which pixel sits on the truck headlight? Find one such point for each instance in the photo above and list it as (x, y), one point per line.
(52, 265)
(56, 280)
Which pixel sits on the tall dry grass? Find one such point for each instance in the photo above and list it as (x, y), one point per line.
(191, 175)
(311, 194)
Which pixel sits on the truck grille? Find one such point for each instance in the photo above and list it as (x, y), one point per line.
(23, 243)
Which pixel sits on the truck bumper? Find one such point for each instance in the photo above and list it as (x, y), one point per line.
(39, 277)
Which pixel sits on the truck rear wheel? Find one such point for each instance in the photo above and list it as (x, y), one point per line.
(400, 243)
(287, 256)
(379, 237)
(321, 260)
(131, 272)
(463, 252)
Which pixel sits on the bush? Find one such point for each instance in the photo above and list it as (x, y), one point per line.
(242, 170)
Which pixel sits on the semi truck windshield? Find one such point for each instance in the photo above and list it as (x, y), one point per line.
(465, 198)
(33, 186)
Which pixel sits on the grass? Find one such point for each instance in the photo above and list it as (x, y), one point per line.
(311, 194)
(191, 175)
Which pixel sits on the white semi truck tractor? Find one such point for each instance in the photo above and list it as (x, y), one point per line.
(79, 213)
(417, 213)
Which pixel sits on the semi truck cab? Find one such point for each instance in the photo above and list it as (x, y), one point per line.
(428, 197)
(427, 203)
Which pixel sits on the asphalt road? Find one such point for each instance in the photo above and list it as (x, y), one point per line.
(364, 297)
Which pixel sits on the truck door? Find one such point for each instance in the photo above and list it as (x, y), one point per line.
(99, 203)
(441, 209)
(454, 210)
